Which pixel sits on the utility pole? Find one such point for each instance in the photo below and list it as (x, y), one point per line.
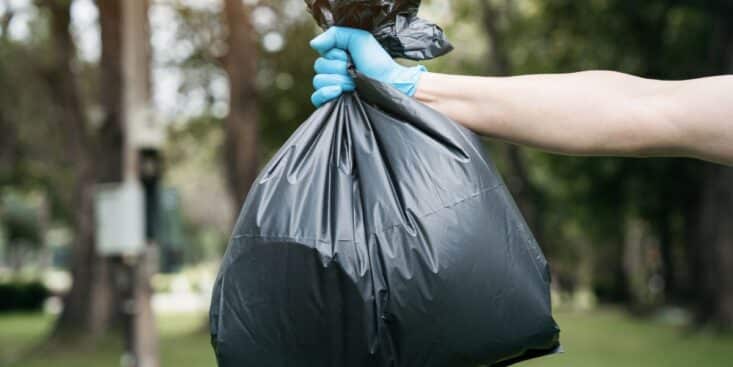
(142, 165)
(127, 212)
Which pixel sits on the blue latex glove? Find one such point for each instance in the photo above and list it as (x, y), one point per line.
(332, 77)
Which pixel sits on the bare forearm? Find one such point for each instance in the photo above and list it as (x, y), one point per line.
(592, 113)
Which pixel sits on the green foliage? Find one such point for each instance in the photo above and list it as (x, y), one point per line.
(586, 202)
(285, 83)
(21, 221)
(31, 153)
(583, 204)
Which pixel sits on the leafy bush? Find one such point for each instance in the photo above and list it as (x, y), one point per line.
(22, 296)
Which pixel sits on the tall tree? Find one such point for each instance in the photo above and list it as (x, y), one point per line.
(242, 128)
(9, 146)
(86, 305)
(715, 221)
(91, 306)
(111, 134)
(109, 139)
(664, 39)
(495, 16)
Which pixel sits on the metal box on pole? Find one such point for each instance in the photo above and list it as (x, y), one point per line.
(120, 219)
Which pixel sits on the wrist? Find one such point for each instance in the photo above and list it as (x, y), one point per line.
(407, 78)
(464, 100)
(425, 91)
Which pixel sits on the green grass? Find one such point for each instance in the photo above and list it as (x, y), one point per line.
(182, 344)
(18, 331)
(596, 339)
(611, 338)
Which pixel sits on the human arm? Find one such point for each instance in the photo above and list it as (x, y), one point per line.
(586, 113)
(592, 112)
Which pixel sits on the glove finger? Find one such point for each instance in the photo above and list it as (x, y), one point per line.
(325, 41)
(326, 80)
(325, 94)
(337, 54)
(326, 66)
(336, 37)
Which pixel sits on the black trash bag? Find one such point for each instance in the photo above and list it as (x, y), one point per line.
(380, 235)
(394, 24)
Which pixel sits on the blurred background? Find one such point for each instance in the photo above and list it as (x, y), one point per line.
(173, 105)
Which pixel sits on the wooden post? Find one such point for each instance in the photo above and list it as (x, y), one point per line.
(143, 339)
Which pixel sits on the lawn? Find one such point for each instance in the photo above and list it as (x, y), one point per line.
(596, 339)
(182, 344)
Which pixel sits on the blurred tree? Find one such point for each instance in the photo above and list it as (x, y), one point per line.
(86, 305)
(96, 150)
(25, 165)
(21, 222)
(285, 80)
(241, 138)
(275, 88)
(714, 231)
(716, 248)
(109, 142)
(9, 146)
(672, 40)
(79, 312)
(581, 207)
(111, 137)
(495, 17)
(657, 39)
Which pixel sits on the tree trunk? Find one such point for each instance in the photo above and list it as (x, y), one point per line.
(241, 144)
(5, 23)
(9, 147)
(715, 248)
(9, 139)
(517, 177)
(111, 134)
(669, 268)
(491, 16)
(86, 308)
(714, 224)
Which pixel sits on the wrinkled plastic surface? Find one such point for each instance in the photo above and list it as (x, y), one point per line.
(394, 24)
(380, 235)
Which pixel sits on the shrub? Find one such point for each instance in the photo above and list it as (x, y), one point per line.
(17, 296)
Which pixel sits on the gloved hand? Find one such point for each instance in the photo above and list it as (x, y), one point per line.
(332, 77)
